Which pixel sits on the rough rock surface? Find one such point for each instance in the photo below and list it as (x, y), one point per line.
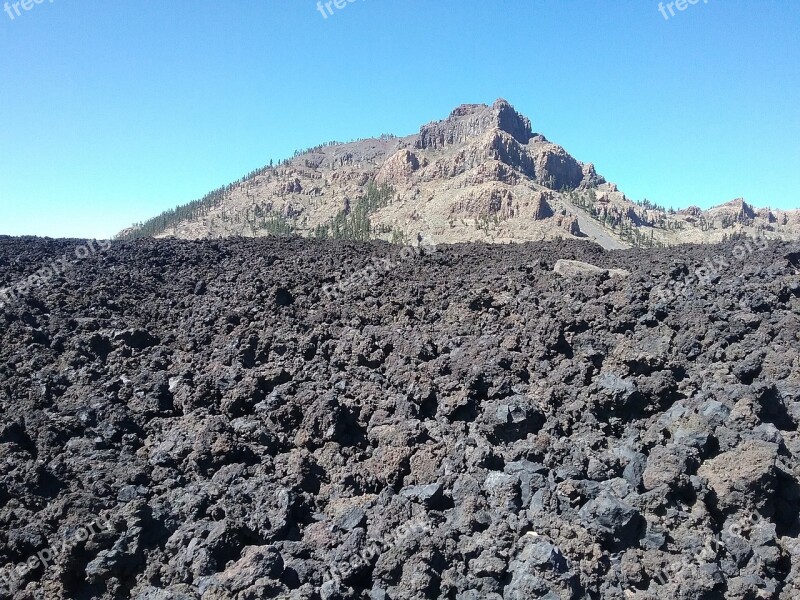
(292, 419)
(576, 268)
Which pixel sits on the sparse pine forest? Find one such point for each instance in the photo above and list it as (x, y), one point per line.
(353, 222)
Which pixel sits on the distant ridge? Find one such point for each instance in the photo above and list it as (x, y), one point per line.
(481, 174)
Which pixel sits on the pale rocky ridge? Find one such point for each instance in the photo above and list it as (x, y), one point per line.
(482, 174)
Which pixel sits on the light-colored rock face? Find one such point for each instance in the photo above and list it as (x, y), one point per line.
(749, 468)
(575, 268)
(399, 168)
(483, 174)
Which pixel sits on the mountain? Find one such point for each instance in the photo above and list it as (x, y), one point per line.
(482, 174)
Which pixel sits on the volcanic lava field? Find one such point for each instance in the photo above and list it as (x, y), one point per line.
(307, 420)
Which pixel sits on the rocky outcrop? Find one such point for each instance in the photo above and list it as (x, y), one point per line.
(473, 120)
(504, 137)
(569, 224)
(501, 146)
(735, 211)
(554, 168)
(540, 208)
(492, 171)
(294, 187)
(590, 177)
(693, 211)
(744, 212)
(398, 169)
(513, 123)
(490, 202)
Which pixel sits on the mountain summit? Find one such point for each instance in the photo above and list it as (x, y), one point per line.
(481, 174)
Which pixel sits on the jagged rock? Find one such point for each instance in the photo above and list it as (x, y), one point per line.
(471, 120)
(742, 475)
(398, 168)
(541, 209)
(256, 563)
(426, 494)
(135, 338)
(608, 515)
(467, 423)
(666, 465)
(574, 268)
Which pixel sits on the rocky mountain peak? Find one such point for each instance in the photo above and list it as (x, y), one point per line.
(744, 209)
(512, 122)
(479, 174)
(467, 109)
(470, 121)
(738, 211)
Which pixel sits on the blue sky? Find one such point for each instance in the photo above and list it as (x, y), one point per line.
(112, 112)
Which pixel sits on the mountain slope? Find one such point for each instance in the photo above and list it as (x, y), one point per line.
(481, 174)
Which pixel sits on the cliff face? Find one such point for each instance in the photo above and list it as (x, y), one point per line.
(499, 133)
(482, 173)
(469, 121)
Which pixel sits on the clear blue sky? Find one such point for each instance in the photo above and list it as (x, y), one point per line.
(111, 112)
